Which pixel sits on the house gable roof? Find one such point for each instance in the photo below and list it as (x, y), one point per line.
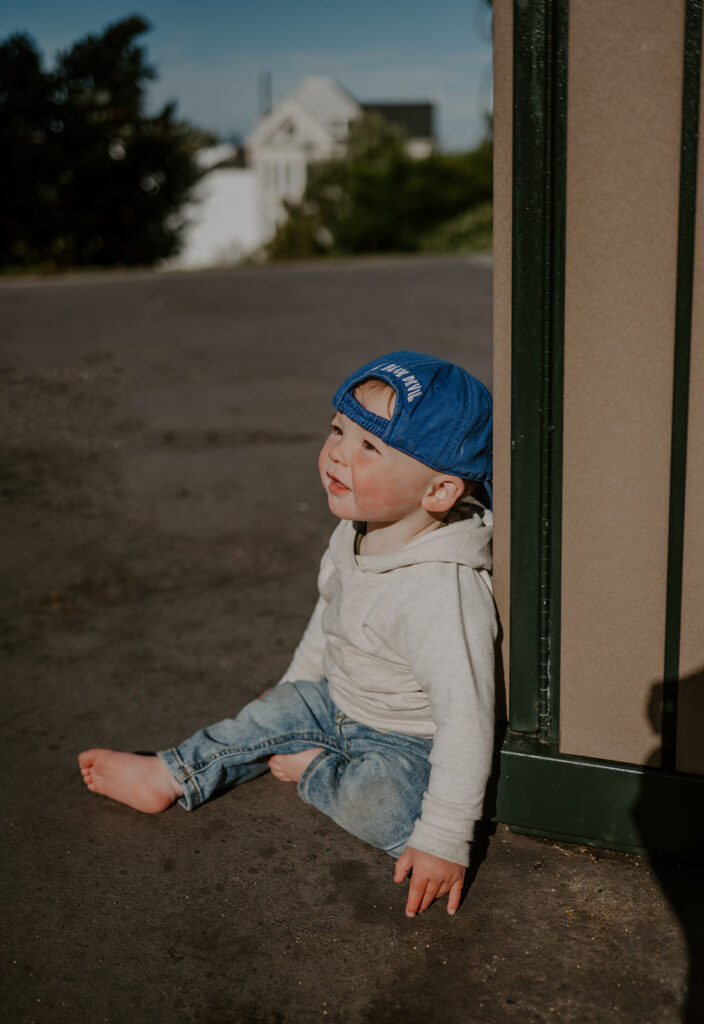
(326, 100)
(316, 114)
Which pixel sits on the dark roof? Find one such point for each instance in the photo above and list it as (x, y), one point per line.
(416, 118)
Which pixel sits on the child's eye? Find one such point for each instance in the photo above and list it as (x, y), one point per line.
(369, 446)
(335, 429)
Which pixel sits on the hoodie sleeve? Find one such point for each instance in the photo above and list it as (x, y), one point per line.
(307, 660)
(449, 633)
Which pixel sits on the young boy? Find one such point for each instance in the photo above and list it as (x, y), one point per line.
(384, 718)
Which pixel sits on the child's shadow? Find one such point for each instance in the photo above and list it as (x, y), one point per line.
(681, 878)
(485, 828)
(480, 847)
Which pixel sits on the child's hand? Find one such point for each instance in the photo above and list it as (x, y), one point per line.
(431, 877)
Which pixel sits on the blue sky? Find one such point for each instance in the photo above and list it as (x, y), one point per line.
(209, 53)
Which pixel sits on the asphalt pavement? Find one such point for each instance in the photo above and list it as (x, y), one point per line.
(162, 522)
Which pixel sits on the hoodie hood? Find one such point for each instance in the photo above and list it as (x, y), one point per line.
(465, 540)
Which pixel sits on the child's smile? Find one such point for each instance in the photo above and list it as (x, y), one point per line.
(336, 486)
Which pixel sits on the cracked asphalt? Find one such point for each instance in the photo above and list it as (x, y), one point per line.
(162, 522)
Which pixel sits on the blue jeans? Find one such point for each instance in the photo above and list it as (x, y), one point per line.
(371, 783)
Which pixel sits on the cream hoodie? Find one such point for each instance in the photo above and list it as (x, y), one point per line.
(406, 643)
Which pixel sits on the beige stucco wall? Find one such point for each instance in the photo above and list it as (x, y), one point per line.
(624, 116)
(623, 162)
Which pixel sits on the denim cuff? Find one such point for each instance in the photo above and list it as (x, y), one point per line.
(192, 796)
(305, 778)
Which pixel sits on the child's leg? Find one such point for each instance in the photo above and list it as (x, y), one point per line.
(290, 718)
(370, 783)
(374, 789)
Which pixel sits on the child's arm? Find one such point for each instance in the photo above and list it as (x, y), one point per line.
(448, 639)
(431, 878)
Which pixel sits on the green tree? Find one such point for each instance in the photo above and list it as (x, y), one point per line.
(377, 198)
(93, 180)
(32, 160)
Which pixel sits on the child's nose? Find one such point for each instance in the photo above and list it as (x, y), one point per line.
(337, 451)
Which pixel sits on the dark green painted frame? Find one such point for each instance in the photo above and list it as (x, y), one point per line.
(536, 789)
(539, 157)
(598, 803)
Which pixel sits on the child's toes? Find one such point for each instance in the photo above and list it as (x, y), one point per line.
(276, 768)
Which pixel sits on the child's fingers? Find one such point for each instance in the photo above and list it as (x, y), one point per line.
(453, 900)
(432, 892)
(403, 866)
(431, 878)
(416, 892)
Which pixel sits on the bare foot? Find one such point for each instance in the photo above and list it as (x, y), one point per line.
(144, 783)
(290, 767)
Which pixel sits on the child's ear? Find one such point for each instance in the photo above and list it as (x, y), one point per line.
(442, 493)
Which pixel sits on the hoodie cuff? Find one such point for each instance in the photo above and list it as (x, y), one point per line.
(439, 843)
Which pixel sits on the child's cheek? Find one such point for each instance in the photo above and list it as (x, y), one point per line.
(322, 461)
(379, 496)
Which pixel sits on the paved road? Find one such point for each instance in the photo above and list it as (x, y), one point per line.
(162, 523)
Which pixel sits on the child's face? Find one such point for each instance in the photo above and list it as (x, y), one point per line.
(366, 480)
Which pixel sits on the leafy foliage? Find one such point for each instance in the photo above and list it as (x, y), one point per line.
(88, 178)
(377, 198)
(470, 231)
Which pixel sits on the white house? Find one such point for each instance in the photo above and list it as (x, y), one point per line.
(310, 125)
(237, 209)
(224, 216)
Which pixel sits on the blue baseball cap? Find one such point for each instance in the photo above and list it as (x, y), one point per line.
(442, 415)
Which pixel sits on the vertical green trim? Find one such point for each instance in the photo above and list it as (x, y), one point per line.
(539, 151)
(526, 385)
(553, 361)
(680, 399)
